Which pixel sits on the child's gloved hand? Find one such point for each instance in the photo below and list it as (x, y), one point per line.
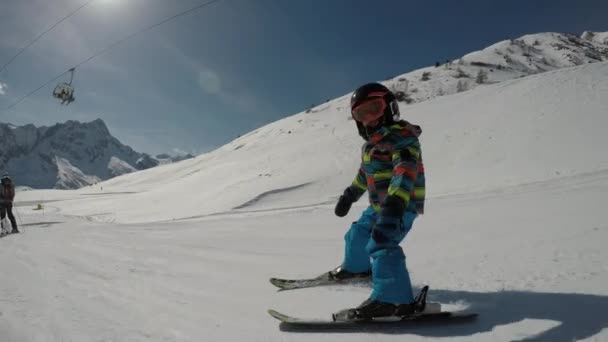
(344, 203)
(343, 206)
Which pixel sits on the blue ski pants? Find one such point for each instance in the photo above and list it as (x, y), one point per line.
(390, 278)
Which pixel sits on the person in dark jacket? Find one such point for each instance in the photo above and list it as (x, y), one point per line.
(7, 195)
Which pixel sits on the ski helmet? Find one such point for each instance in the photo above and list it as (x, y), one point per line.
(5, 179)
(373, 104)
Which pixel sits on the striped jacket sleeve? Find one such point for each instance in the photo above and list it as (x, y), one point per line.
(359, 185)
(406, 160)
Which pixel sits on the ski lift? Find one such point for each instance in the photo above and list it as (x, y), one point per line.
(65, 91)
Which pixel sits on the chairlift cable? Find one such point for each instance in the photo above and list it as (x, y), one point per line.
(148, 28)
(42, 35)
(34, 91)
(111, 46)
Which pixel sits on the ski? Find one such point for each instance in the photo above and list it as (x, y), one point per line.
(322, 280)
(340, 321)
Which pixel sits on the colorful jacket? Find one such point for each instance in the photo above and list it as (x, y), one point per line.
(391, 166)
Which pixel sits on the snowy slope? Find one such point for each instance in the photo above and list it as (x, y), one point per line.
(515, 228)
(531, 261)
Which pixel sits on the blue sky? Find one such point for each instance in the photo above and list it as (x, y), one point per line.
(203, 79)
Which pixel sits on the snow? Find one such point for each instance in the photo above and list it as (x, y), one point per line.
(598, 37)
(69, 176)
(505, 60)
(515, 228)
(119, 167)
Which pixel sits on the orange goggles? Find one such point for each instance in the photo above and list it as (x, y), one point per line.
(369, 111)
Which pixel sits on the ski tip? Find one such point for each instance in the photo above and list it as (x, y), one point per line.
(277, 282)
(281, 317)
(274, 281)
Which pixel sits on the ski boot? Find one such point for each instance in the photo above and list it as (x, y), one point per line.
(339, 273)
(372, 309)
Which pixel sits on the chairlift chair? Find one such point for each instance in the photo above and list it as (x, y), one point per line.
(64, 91)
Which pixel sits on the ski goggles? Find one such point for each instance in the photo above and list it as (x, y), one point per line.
(369, 111)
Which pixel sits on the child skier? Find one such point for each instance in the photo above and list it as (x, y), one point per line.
(393, 174)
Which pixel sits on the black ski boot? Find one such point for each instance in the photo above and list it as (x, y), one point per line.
(340, 273)
(371, 308)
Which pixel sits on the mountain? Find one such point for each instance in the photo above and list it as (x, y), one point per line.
(67, 155)
(598, 37)
(505, 60)
(166, 158)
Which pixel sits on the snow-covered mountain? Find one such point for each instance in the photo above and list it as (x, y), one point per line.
(166, 158)
(598, 37)
(67, 155)
(505, 60)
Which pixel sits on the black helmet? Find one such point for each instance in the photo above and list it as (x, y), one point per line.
(5, 179)
(371, 91)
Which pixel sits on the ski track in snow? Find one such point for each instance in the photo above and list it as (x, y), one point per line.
(267, 194)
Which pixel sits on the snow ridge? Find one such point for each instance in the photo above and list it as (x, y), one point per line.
(509, 59)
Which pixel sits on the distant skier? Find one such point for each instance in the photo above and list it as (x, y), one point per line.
(392, 172)
(7, 195)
